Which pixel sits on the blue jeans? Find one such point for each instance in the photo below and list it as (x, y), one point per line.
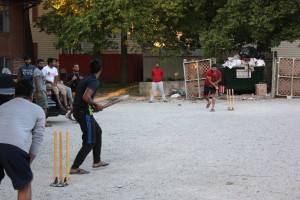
(69, 94)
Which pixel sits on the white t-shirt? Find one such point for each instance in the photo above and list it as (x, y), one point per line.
(50, 73)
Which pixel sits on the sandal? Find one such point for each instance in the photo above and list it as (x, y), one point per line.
(208, 105)
(48, 124)
(100, 164)
(80, 171)
(212, 110)
(61, 106)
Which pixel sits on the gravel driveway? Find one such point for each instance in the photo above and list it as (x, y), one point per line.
(180, 150)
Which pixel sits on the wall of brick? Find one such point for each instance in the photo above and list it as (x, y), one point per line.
(16, 62)
(12, 42)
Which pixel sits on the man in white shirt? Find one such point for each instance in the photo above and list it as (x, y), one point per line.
(51, 76)
(20, 121)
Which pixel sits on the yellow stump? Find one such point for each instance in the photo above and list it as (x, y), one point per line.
(232, 105)
(67, 156)
(227, 96)
(230, 99)
(54, 155)
(60, 158)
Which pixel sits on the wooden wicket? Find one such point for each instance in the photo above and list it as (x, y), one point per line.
(60, 158)
(67, 157)
(55, 158)
(61, 182)
(230, 99)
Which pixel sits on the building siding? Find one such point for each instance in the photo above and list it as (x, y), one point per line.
(288, 50)
(132, 47)
(45, 43)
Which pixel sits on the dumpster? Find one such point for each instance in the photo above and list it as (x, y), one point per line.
(239, 79)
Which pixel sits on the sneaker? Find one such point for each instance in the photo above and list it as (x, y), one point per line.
(165, 100)
(150, 101)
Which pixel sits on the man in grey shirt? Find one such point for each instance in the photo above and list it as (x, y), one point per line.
(20, 120)
(39, 84)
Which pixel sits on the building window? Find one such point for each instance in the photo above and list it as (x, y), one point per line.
(5, 65)
(4, 16)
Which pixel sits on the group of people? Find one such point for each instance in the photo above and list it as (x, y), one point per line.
(18, 129)
(46, 77)
(213, 78)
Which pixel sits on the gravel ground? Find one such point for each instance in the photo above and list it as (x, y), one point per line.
(180, 150)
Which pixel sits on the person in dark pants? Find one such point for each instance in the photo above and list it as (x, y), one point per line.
(83, 109)
(73, 80)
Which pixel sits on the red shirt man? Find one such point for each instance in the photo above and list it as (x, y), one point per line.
(157, 82)
(213, 77)
(157, 74)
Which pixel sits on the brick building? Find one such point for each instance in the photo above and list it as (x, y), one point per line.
(15, 35)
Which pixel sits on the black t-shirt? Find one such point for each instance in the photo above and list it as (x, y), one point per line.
(89, 81)
(75, 82)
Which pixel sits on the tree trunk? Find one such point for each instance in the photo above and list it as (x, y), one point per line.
(96, 51)
(124, 60)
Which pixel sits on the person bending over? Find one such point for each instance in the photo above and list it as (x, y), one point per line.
(213, 78)
(20, 121)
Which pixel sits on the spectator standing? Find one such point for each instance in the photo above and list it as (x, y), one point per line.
(74, 78)
(26, 70)
(40, 88)
(157, 74)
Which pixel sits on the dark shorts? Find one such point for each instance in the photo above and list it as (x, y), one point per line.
(207, 90)
(16, 164)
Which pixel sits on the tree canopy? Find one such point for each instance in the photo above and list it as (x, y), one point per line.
(75, 21)
(173, 27)
(264, 23)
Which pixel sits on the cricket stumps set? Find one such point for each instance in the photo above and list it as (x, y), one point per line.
(230, 99)
(60, 181)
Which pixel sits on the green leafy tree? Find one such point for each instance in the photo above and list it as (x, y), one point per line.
(76, 21)
(152, 24)
(168, 27)
(264, 23)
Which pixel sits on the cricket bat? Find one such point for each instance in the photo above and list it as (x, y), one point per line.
(116, 100)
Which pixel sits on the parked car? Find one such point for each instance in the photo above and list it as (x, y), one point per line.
(7, 91)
